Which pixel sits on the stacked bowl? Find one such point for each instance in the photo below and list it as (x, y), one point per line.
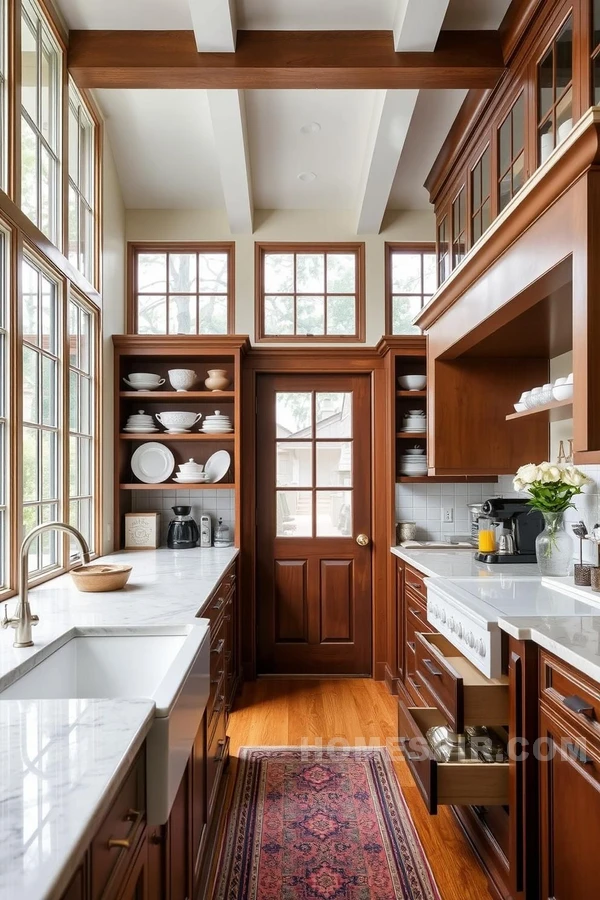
(144, 381)
(217, 424)
(190, 472)
(140, 423)
(178, 421)
(414, 420)
(413, 462)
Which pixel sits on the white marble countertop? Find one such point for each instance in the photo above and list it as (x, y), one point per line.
(574, 639)
(60, 759)
(459, 564)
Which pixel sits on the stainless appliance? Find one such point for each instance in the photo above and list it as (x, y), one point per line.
(518, 521)
(205, 531)
(183, 533)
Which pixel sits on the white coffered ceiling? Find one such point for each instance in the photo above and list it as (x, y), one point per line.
(240, 150)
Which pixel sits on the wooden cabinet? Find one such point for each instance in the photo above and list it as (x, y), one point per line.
(137, 880)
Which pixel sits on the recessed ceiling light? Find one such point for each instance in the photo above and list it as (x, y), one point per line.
(311, 128)
(306, 176)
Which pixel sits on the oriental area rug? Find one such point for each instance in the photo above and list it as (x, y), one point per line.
(312, 824)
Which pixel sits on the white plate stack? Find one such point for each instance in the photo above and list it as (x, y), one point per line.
(217, 424)
(413, 462)
(190, 472)
(140, 423)
(414, 420)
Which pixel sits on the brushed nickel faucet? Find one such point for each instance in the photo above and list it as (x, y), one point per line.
(23, 619)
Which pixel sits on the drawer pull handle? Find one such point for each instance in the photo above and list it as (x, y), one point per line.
(219, 603)
(218, 678)
(121, 843)
(577, 753)
(134, 816)
(415, 612)
(432, 669)
(577, 705)
(409, 754)
(219, 648)
(411, 644)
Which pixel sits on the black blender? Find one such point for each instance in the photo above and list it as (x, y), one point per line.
(183, 533)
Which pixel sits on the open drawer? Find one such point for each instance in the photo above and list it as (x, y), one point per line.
(468, 783)
(461, 692)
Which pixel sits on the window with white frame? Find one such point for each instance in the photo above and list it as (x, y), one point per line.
(5, 487)
(81, 184)
(81, 338)
(42, 382)
(41, 116)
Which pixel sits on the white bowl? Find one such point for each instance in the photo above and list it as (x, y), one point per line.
(560, 381)
(535, 398)
(190, 467)
(412, 382)
(149, 377)
(570, 378)
(144, 385)
(415, 451)
(182, 379)
(564, 129)
(178, 419)
(520, 407)
(562, 391)
(546, 393)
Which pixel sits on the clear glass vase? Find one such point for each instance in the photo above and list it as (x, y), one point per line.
(554, 547)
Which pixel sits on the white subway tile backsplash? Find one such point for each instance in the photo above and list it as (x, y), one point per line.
(216, 504)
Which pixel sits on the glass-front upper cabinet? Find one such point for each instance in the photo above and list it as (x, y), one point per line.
(443, 250)
(596, 52)
(481, 195)
(555, 91)
(459, 227)
(511, 153)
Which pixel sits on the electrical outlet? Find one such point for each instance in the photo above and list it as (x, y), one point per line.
(448, 514)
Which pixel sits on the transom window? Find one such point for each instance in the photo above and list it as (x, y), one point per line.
(42, 456)
(41, 111)
(314, 472)
(511, 153)
(181, 289)
(411, 280)
(481, 199)
(555, 91)
(82, 185)
(308, 292)
(5, 486)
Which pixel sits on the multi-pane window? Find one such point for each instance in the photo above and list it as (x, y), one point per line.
(314, 467)
(596, 52)
(3, 93)
(41, 116)
(81, 338)
(412, 281)
(5, 487)
(481, 208)
(310, 292)
(41, 353)
(443, 250)
(459, 226)
(511, 153)
(555, 91)
(182, 289)
(81, 185)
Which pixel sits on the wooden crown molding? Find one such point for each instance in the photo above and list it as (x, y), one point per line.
(164, 344)
(564, 166)
(282, 59)
(515, 24)
(409, 344)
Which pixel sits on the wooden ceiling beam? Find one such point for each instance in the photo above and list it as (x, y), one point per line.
(282, 59)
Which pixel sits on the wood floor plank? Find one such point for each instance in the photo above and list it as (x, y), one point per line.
(274, 712)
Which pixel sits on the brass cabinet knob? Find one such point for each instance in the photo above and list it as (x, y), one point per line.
(362, 540)
(122, 843)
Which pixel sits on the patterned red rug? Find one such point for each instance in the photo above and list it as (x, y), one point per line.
(320, 825)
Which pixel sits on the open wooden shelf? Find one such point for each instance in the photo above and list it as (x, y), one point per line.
(173, 486)
(412, 434)
(411, 394)
(558, 409)
(163, 436)
(178, 395)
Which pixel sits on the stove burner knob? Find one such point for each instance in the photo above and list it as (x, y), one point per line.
(459, 629)
(470, 639)
(451, 623)
(443, 616)
(481, 647)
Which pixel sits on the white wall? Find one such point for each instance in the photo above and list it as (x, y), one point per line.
(113, 319)
(285, 225)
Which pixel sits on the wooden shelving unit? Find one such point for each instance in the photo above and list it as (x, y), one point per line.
(421, 435)
(557, 410)
(410, 394)
(158, 354)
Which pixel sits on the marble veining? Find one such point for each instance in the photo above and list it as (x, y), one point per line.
(59, 762)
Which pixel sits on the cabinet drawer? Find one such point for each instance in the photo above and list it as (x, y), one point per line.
(413, 688)
(116, 839)
(217, 648)
(215, 757)
(416, 581)
(416, 621)
(469, 783)
(461, 693)
(575, 697)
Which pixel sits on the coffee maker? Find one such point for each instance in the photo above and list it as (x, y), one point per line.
(520, 526)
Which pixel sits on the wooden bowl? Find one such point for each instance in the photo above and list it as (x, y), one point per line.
(98, 578)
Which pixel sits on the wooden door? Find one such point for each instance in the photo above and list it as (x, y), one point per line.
(570, 813)
(313, 502)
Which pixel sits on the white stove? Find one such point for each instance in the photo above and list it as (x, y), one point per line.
(466, 611)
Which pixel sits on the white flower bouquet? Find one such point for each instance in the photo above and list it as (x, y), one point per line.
(551, 486)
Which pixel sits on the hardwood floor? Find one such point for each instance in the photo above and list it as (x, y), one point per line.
(290, 712)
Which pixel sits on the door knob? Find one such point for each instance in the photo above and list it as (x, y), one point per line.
(362, 540)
